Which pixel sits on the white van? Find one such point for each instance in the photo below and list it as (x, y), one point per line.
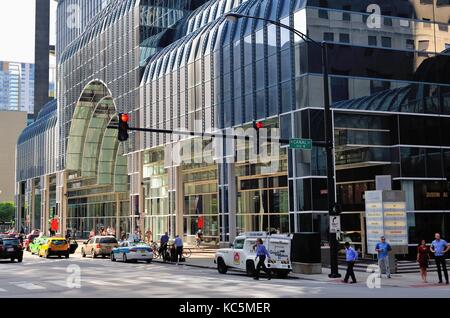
(242, 253)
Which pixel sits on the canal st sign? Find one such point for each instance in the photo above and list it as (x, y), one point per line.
(299, 143)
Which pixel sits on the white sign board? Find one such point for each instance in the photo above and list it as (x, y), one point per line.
(335, 224)
(386, 216)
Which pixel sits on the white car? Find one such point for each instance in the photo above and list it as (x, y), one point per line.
(132, 251)
(241, 255)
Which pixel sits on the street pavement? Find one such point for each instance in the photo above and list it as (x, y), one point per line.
(86, 277)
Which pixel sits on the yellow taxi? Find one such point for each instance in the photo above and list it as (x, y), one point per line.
(54, 246)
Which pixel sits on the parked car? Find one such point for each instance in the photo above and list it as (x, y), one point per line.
(241, 254)
(99, 246)
(10, 248)
(54, 246)
(34, 246)
(132, 251)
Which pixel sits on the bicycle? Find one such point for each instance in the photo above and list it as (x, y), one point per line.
(155, 249)
(187, 252)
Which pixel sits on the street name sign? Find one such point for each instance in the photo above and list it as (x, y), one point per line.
(300, 143)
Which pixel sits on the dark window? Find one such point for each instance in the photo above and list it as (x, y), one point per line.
(410, 44)
(346, 16)
(339, 89)
(386, 41)
(372, 40)
(323, 14)
(387, 21)
(328, 36)
(344, 37)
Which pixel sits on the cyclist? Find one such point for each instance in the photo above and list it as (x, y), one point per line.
(199, 237)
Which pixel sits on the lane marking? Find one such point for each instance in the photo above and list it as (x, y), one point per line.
(101, 283)
(27, 285)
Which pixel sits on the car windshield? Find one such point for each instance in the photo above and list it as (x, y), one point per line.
(59, 242)
(108, 240)
(10, 242)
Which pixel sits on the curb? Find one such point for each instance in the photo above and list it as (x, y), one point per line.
(184, 264)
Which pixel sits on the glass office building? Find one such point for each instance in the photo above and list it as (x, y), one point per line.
(17, 86)
(182, 65)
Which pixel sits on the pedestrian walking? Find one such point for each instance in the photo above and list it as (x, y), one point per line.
(350, 256)
(179, 248)
(383, 248)
(439, 247)
(423, 258)
(262, 254)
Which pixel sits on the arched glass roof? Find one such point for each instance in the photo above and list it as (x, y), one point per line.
(45, 120)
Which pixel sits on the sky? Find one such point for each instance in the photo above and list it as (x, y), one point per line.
(17, 30)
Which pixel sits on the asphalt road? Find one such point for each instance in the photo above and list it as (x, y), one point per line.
(86, 277)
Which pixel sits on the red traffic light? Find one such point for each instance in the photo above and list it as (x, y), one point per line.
(259, 125)
(124, 118)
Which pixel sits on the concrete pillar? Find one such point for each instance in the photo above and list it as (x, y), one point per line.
(117, 215)
(232, 204)
(179, 198)
(141, 193)
(46, 204)
(32, 206)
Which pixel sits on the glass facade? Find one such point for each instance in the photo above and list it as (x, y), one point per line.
(181, 65)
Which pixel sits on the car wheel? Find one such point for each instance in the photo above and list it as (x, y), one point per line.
(113, 257)
(47, 254)
(124, 258)
(250, 268)
(149, 261)
(104, 256)
(94, 255)
(83, 253)
(222, 268)
(59, 256)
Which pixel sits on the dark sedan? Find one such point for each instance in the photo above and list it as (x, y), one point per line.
(10, 248)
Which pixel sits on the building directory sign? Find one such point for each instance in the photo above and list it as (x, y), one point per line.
(386, 216)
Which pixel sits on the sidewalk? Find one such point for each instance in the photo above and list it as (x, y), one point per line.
(405, 280)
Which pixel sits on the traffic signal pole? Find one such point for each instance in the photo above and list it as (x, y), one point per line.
(329, 146)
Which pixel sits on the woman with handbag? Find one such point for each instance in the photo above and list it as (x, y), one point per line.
(423, 258)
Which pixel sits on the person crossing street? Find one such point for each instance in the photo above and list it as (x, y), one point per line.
(350, 256)
(261, 253)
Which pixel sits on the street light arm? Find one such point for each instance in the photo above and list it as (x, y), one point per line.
(281, 25)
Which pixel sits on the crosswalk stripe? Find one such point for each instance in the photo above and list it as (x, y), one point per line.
(28, 286)
(100, 283)
(60, 283)
(2, 290)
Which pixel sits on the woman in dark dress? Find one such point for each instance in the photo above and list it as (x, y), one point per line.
(423, 257)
